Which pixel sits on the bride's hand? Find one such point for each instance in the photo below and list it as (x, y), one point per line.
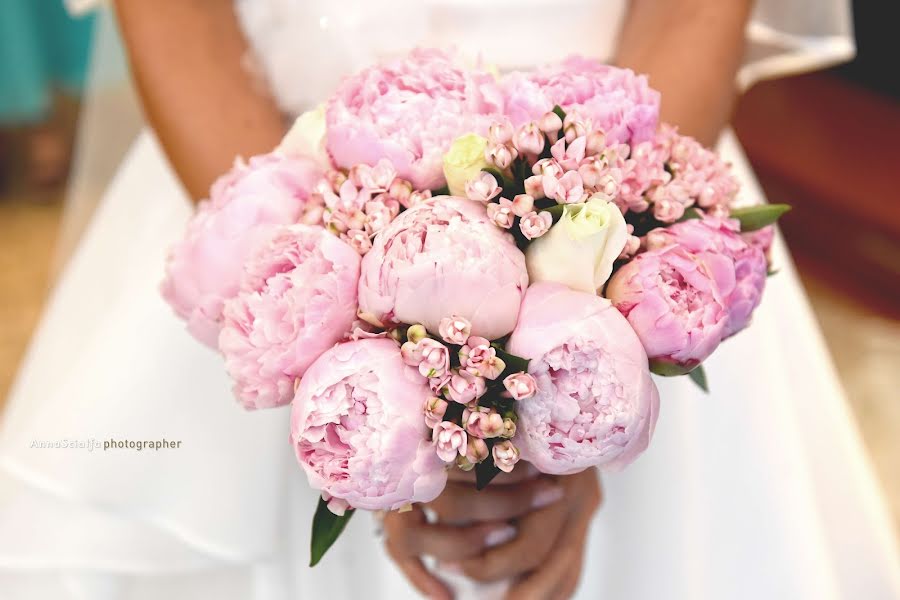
(523, 527)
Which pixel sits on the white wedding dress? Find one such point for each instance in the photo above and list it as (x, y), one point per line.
(761, 489)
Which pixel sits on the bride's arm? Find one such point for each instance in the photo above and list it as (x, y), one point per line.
(691, 49)
(187, 58)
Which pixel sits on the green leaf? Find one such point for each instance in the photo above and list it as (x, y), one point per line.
(698, 376)
(669, 369)
(326, 528)
(444, 191)
(690, 213)
(514, 364)
(757, 217)
(485, 471)
(559, 112)
(772, 272)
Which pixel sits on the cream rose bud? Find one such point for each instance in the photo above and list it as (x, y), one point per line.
(464, 161)
(306, 138)
(579, 250)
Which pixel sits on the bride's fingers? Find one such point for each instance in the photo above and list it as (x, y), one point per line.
(410, 535)
(538, 534)
(462, 503)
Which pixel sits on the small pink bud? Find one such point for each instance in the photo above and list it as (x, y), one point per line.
(534, 187)
(335, 179)
(500, 155)
(534, 225)
(573, 126)
(500, 132)
(547, 166)
(477, 450)
(502, 216)
(569, 189)
(464, 387)
(483, 423)
(416, 333)
(520, 385)
(509, 428)
(450, 441)
(455, 330)
(411, 353)
(483, 188)
(359, 240)
(435, 358)
(435, 408)
(400, 190)
(506, 455)
(464, 464)
(596, 142)
(417, 197)
(529, 139)
(522, 204)
(668, 211)
(550, 123)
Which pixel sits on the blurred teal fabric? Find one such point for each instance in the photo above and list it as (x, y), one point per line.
(42, 49)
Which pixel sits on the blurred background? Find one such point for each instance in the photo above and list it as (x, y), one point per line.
(826, 143)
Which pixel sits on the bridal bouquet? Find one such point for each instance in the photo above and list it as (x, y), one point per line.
(441, 268)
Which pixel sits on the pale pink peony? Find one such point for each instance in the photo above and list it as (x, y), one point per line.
(298, 298)
(441, 258)
(357, 428)
(409, 111)
(596, 404)
(723, 236)
(676, 298)
(614, 100)
(204, 268)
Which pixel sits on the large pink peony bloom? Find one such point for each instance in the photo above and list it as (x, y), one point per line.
(298, 298)
(723, 236)
(440, 259)
(204, 269)
(613, 99)
(357, 428)
(676, 299)
(409, 111)
(596, 404)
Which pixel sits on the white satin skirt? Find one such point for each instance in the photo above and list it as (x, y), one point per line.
(761, 489)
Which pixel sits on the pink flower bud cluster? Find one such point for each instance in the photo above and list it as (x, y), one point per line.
(466, 430)
(358, 204)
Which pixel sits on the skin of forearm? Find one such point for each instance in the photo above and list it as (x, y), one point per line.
(691, 51)
(187, 58)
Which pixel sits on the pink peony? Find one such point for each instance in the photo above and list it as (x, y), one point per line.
(204, 269)
(676, 298)
(357, 428)
(723, 236)
(614, 100)
(596, 404)
(444, 258)
(409, 111)
(298, 298)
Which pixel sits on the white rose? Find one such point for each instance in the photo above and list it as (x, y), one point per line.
(579, 250)
(306, 137)
(464, 162)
